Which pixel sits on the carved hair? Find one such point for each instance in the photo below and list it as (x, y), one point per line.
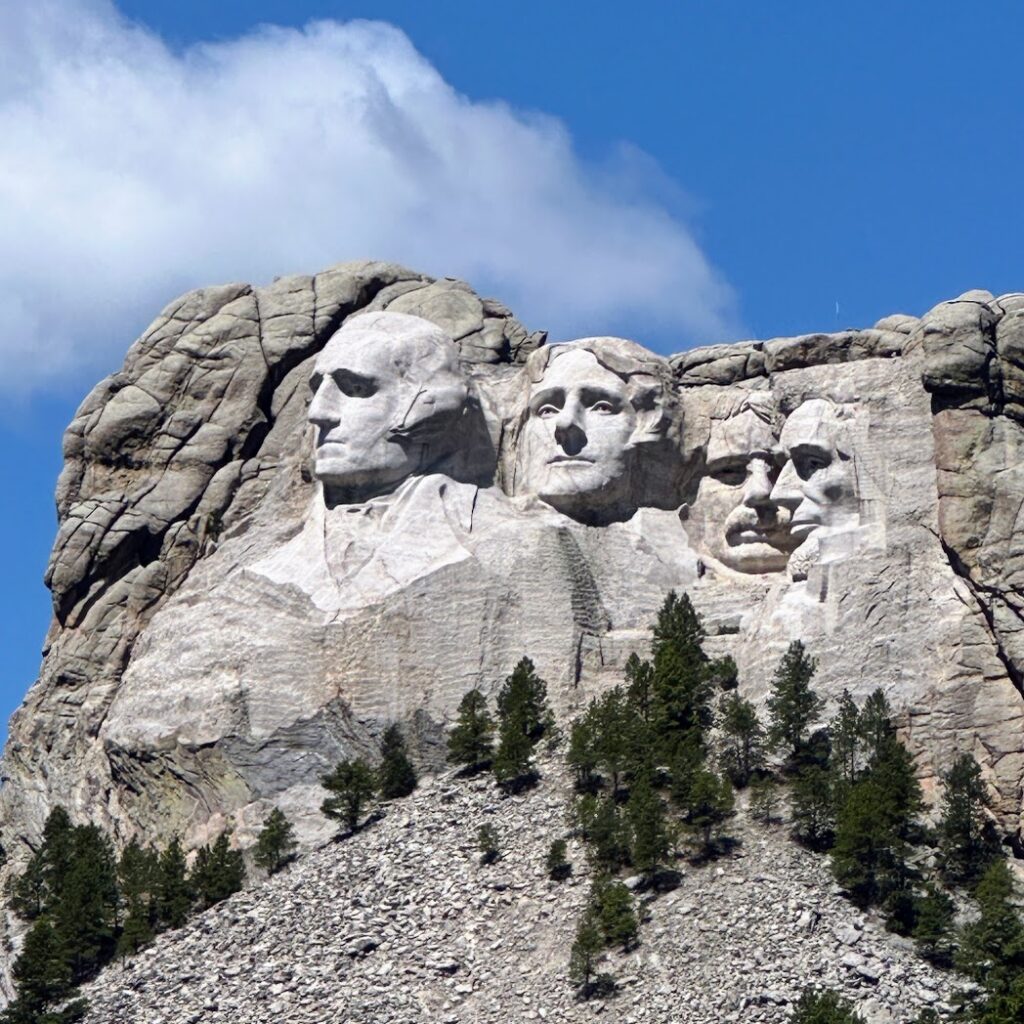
(647, 377)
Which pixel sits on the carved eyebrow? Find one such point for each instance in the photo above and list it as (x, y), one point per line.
(593, 393)
(556, 396)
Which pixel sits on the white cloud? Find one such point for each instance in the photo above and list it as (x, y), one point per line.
(129, 173)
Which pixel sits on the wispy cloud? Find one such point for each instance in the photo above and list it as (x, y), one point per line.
(129, 173)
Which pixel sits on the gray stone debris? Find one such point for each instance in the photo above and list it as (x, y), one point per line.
(403, 924)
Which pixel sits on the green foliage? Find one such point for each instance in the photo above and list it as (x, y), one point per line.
(604, 828)
(218, 872)
(557, 862)
(933, 925)
(471, 741)
(682, 679)
(709, 805)
(587, 950)
(992, 947)
(173, 889)
(965, 844)
(523, 718)
(487, 844)
(875, 725)
(792, 705)
(41, 973)
(1004, 1007)
(352, 785)
(743, 738)
(137, 872)
(847, 745)
(812, 807)
(276, 843)
(873, 828)
(396, 776)
(824, 1007)
(764, 798)
(616, 916)
(645, 814)
(640, 686)
(581, 756)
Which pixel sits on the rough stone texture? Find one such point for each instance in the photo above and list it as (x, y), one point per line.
(403, 923)
(222, 634)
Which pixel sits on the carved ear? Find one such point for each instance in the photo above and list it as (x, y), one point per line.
(431, 410)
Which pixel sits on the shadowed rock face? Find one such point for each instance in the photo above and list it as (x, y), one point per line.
(302, 512)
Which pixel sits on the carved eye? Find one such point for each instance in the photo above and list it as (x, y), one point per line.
(604, 406)
(807, 463)
(545, 412)
(732, 476)
(356, 387)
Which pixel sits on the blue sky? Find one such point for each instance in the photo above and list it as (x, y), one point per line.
(692, 171)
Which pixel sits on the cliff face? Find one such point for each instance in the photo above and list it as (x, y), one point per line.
(232, 613)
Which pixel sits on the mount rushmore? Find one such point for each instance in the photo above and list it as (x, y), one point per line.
(304, 511)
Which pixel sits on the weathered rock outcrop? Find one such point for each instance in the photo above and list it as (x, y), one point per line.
(238, 603)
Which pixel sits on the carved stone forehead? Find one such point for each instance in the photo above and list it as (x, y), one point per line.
(624, 358)
(740, 435)
(814, 424)
(389, 344)
(577, 367)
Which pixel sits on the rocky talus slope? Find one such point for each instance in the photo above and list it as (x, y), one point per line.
(403, 923)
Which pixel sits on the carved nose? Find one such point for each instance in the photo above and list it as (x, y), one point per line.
(786, 491)
(757, 492)
(323, 410)
(569, 435)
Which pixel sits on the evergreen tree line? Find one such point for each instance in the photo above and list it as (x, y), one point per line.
(85, 906)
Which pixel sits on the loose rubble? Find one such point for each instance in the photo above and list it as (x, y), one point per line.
(402, 923)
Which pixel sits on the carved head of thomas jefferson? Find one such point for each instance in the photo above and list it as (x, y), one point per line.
(598, 418)
(388, 396)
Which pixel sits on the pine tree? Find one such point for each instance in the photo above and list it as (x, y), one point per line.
(352, 785)
(688, 761)
(604, 829)
(523, 718)
(557, 863)
(471, 740)
(86, 912)
(743, 738)
(276, 843)
(218, 872)
(137, 873)
(396, 776)
(792, 705)
(586, 951)
(992, 947)
(681, 684)
(873, 830)
(764, 798)
(487, 843)
(965, 844)
(933, 925)
(640, 687)
(876, 725)
(616, 916)
(812, 807)
(173, 891)
(42, 975)
(823, 1007)
(845, 735)
(710, 804)
(1004, 1007)
(580, 755)
(524, 699)
(645, 813)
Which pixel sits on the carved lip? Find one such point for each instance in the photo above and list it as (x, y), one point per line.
(569, 460)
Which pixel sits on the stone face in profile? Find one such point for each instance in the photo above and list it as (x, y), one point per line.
(734, 518)
(818, 482)
(388, 395)
(595, 412)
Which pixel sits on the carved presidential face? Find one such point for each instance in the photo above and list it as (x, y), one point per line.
(383, 387)
(577, 435)
(817, 482)
(734, 518)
